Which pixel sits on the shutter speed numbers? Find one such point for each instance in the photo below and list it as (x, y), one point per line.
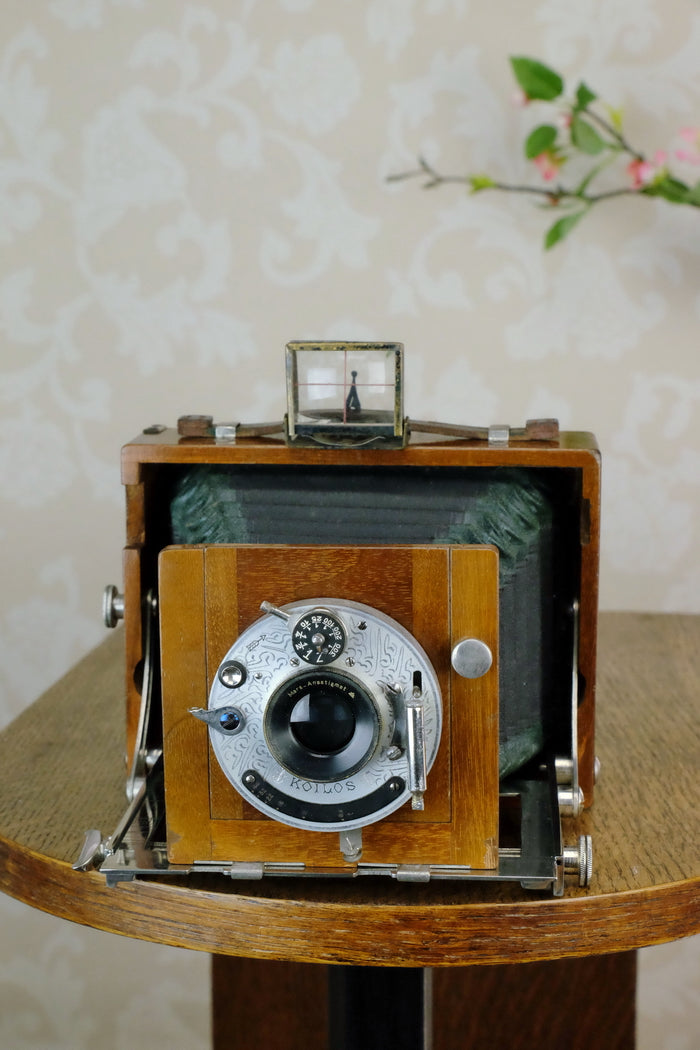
(318, 637)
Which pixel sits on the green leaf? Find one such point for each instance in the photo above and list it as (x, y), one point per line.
(562, 227)
(584, 96)
(670, 189)
(585, 137)
(480, 182)
(694, 195)
(536, 80)
(540, 140)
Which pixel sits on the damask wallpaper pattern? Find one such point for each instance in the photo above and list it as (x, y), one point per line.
(186, 186)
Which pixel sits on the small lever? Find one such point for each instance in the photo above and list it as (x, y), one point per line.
(415, 723)
(227, 720)
(93, 852)
(268, 607)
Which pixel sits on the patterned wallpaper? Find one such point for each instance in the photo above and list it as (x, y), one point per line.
(186, 186)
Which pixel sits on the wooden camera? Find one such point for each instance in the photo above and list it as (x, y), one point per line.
(357, 644)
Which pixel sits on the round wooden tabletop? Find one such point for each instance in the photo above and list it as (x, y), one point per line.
(61, 772)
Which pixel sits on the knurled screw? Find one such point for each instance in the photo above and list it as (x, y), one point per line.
(578, 860)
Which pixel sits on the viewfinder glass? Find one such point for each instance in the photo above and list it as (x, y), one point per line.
(341, 391)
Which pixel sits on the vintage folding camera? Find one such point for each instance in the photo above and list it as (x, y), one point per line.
(357, 643)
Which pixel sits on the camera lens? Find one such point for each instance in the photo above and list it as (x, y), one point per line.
(321, 725)
(322, 721)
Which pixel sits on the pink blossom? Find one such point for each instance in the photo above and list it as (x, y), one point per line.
(643, 172)
(548, 164)
(519, 98)
(690, 156)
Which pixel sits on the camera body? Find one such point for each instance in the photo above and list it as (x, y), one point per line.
(357, 656)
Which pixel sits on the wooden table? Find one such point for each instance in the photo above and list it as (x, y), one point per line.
(61, 771)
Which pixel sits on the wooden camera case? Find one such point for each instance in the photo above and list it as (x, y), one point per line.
(209, 590)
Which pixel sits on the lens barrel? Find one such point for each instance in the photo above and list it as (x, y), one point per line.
(322, 725)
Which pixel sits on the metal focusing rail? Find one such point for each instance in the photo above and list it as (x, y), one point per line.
(541, 863)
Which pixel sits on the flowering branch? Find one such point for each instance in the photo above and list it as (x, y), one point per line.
(579, 131)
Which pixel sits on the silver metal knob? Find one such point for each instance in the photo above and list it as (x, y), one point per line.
(570, 801)
(232, 674)
(112, 606)
(471, 658)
